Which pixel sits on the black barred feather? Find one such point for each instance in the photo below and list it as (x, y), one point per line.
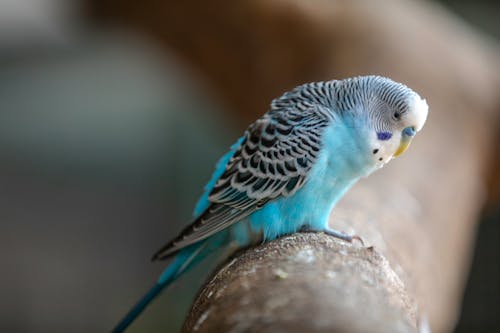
(273, 160)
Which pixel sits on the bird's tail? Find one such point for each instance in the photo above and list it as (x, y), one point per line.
(180, 263)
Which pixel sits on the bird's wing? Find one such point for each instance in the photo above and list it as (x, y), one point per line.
(273, 160)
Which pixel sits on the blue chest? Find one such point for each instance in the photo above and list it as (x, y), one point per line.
(344, 158)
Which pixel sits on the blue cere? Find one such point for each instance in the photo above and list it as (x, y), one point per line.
(409, 131)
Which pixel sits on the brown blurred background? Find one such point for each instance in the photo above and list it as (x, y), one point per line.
(113, 113)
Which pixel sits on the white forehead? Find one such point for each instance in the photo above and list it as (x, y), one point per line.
(417, 111)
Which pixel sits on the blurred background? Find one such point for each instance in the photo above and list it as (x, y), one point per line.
(113, 114)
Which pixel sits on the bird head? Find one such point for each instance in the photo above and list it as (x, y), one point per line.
(410, 122)
(397, 113)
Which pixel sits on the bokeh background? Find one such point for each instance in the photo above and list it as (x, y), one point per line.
(113, 113)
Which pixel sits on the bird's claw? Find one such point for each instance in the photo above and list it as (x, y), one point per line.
(344, 236)
(336, 234)
(356, 237)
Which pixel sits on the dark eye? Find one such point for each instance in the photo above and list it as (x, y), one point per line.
(397, 115)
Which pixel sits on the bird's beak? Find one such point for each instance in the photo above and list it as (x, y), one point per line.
(406, 137)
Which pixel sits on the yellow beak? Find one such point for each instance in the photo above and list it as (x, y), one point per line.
(405, 143)
(406, 136)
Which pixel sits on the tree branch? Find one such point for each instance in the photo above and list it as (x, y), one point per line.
(307, 282)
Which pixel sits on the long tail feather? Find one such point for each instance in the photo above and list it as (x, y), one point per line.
(138, 308)
(180, 263)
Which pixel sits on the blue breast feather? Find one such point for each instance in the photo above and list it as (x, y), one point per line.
(343, 160)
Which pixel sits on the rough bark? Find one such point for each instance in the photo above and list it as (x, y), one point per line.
(304, 283)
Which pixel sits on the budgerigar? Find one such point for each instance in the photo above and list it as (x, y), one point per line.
(291, 167)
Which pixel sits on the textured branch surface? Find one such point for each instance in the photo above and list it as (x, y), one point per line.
(304, 283)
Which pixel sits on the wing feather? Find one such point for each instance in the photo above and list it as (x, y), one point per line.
(273, 160)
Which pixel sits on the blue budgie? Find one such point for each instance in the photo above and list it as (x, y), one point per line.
(291, 167)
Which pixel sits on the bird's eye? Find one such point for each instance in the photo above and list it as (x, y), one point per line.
(396, 115)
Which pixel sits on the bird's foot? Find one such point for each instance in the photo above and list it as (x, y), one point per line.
(335, 233)
(344, 236)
